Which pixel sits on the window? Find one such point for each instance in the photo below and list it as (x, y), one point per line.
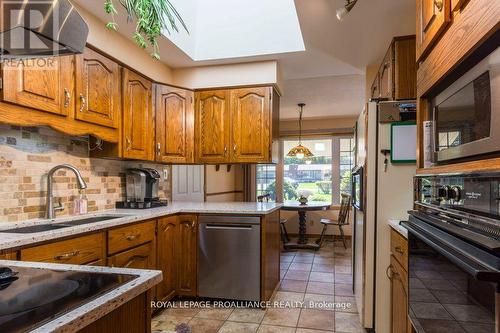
(266, 180)
(346, 164)
(322, 178)
(312, 177)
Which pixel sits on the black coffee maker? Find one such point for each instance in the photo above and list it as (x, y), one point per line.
(142, 189)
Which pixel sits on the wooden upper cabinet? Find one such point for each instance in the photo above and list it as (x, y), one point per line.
(98, 89)
(138, 125)
(385, 75)
(212, 126)
(432, 18)
(250, 120)
(186, 257)
(166, 255)
(397, 75)
(44, 84)
(174, 125)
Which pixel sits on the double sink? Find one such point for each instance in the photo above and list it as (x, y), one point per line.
(61, 225)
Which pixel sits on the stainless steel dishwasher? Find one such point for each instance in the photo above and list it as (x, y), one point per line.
(229, 257)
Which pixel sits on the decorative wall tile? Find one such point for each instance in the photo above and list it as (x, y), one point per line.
(27, 154)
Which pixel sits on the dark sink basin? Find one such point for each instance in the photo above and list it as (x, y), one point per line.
(54, 226)
(92, 220)
(34, 228)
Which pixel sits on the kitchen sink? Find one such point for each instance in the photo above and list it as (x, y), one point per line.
(34, 229)
(91, 220)
(55, 226)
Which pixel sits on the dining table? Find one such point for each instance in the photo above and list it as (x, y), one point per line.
(302, 209)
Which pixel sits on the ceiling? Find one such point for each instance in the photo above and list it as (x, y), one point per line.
(335, 51)
(327, 96)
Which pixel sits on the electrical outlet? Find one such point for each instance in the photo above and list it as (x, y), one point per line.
(165, 173)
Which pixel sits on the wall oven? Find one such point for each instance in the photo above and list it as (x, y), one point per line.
(454, 254)
(467, 113)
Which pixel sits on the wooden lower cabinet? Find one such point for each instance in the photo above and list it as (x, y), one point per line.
(270, 249)
(8, 256)
(399, 297)
(141, 257)
(168, 229)
(76, 251)
(127, 237)
(131, 317)
(187, 255)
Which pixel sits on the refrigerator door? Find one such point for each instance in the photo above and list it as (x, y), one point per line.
(364, 221)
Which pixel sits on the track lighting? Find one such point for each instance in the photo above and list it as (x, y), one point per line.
(341, 12)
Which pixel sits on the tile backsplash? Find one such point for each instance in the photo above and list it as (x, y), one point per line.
(27, 154)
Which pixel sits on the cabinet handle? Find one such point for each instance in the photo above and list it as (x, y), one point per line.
(439, 4)
(234, 148)
(83, 102)
(134, 258)
(225, 150)
(67, 97)
(128, 143)
(158, 148)
(399, 250)
(132, 237)
(389, 269)
(66, 256)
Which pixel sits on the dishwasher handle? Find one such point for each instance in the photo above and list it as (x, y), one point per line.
(228, 227)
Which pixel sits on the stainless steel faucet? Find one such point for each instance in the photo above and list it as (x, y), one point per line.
(50, 197)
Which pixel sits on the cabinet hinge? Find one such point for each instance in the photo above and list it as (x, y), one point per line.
(1, 83)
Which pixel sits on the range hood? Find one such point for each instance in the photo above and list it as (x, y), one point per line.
(34, 28)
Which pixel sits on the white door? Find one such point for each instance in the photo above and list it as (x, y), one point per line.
(188, 183)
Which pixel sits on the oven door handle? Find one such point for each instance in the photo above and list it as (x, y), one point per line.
(453, 251)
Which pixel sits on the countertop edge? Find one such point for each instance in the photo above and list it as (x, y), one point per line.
(14, 241)
(97, 308)
(394, 224)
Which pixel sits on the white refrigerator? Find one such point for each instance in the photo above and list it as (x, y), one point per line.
(388, 194)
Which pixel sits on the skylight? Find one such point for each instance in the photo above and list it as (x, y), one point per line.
(221, 29)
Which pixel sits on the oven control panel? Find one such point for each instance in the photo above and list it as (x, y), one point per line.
(474, 193)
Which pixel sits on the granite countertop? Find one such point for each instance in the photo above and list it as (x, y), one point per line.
(394, 224)
(96, 308)
(127, 216)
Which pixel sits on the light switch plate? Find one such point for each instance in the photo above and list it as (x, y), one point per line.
(165, 173)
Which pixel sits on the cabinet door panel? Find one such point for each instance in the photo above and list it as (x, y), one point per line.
(399, 295)
(212, 125)
(432, 18)
(186, 258)
(250, 124)
(98, 89)
(174, 125)
(137, 117)
(167, 261)
(141, 257)
(42, 84)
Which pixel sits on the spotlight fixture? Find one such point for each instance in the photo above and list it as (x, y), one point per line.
(343, 11)
(300, 151)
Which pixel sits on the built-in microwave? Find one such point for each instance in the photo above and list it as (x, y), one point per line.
(467, 113)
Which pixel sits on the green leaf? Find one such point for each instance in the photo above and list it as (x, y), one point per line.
(152, 17)
(112, 26)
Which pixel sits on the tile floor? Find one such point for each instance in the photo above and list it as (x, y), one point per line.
(321, 280)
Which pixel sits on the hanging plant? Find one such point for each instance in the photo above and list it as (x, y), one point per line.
(151, 16)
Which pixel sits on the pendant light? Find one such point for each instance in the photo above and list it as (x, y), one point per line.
(300, 151)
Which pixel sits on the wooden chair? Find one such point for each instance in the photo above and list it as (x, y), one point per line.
(342, 220)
